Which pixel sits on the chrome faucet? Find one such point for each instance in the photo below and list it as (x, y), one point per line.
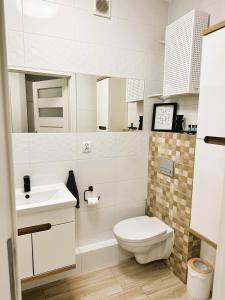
(26, 183)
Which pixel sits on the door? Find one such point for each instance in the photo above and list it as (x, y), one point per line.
(54, 249)
(25, 256)
(51, 105)
(103, 104)
(9, 283)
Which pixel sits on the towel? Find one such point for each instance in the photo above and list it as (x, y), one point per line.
(72, 187)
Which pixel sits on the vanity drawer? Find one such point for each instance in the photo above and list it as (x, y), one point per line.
(25, 256)
(53, 217)
(54, 248)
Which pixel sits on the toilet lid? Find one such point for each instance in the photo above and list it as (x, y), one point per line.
(139, 229)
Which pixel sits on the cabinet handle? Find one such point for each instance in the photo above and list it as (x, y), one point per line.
(214, 140)
(33, 229)
(102, 127)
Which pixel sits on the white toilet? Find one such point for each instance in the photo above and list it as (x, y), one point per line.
(148, 238)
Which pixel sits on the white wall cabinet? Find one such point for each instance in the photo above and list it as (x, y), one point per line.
(112, 112)
(209, 168)
(183, 54)
(208, 189)
(54, 249)
(135, 90)
(211, 120)
(25, 256)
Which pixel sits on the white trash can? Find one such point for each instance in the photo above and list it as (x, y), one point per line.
(199, 279)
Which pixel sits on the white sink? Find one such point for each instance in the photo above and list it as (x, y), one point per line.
(44, 197)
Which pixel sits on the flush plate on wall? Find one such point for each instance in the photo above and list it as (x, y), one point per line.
(165, 166)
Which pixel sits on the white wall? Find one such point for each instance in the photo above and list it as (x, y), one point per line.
(116, 167)
(189, 104)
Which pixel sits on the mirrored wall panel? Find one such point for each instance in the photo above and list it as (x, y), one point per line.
(75, 103)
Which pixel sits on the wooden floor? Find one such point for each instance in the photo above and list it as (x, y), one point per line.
(128, 281)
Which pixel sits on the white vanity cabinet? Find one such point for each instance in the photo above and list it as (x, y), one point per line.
(54, 248)
(46, 242)
(25, 256)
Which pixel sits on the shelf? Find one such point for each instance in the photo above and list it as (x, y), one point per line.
(159, 96)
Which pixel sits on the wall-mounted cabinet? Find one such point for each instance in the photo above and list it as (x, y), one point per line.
(183, 54)
(135, 90)
(112, 114)
(208, 182)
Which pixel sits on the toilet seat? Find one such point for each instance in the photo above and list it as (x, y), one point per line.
(140, 229)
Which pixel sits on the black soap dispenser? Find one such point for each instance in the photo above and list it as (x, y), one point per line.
(72, 187)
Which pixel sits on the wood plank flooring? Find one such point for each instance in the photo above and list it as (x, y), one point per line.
(128, 281)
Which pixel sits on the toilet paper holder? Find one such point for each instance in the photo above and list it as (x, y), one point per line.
(90, 189)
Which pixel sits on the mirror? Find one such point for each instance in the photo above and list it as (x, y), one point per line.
(75, 102)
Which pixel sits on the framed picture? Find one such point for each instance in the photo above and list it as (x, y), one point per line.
(164, 117)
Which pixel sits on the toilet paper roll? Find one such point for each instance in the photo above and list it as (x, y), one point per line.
(92, 201)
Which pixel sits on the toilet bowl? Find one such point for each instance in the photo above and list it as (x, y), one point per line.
(148, 238)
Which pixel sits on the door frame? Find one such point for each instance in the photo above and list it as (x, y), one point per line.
(72, 94)
(10, 287)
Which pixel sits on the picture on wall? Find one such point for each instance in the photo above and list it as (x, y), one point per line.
(164, 117)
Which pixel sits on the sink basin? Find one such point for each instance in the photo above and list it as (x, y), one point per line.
(44, 197)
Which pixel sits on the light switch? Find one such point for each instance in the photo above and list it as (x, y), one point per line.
(86, 148)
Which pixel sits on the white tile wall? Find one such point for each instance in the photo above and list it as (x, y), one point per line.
(116, 167)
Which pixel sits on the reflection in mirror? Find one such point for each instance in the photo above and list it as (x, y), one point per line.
(75, 103)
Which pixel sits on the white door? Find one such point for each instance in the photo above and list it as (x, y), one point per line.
(54, 249)
(51, 105)
(103, 95)
(9, 283)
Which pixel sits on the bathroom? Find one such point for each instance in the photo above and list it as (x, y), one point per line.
(137, 179)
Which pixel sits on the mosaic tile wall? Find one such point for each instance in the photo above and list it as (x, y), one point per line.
(170, 198)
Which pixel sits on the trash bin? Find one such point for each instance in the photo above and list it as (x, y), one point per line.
(199, 280)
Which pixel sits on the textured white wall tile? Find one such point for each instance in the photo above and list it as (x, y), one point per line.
(98, 170)
(95, 225)
(21, 152)
(13, 12)
(107, 192)
(46, 18)
(130, 211)
(132, 167)
(21, 170)
(15, 48)
(102, 145)
(48, 147)
(51, 172)
(131, 192)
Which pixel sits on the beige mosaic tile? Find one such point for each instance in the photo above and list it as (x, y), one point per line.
(170, 199)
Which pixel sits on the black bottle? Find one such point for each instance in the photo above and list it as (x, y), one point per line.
(140, 127)
(72, 187)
